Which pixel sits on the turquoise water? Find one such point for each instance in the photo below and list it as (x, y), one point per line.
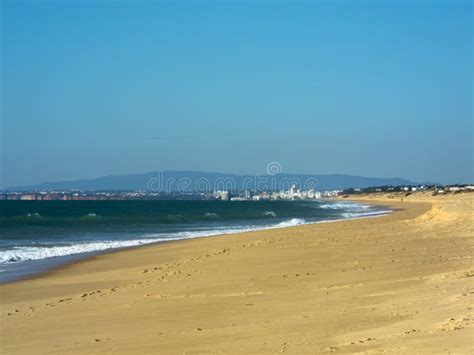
(37, 235)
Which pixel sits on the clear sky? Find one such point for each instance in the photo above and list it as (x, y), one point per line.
(377, 88)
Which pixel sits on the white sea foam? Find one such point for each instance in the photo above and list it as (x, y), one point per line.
(290, 223)
(351, 210)
(36, 253)
(271, 214)
(349, 215)
(347, 206)
(27, 253)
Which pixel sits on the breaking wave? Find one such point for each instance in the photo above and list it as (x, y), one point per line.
(346, 206)
(291, 223)
(270, 214)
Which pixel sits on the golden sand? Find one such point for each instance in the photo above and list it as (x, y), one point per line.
(402, 282)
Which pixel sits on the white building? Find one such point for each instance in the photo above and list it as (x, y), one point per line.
(222, 195)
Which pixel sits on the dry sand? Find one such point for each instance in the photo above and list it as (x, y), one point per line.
(402, 282)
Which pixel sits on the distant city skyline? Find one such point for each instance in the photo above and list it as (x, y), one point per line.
(378, 89)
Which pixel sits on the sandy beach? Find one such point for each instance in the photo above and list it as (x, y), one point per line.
(402, 282)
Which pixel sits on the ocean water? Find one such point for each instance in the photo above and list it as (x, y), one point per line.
(38, 235)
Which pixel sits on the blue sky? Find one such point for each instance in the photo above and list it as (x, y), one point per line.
(93, 88)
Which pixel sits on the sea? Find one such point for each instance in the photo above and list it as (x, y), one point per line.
(36, 236)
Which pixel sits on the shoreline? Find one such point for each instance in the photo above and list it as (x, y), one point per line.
(394, 283)
(69, 260)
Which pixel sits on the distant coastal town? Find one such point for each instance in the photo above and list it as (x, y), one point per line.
(294, 193)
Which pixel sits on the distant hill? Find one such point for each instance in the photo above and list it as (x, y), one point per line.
(172, 181)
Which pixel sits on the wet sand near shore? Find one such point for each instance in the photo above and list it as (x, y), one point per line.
(402, 282)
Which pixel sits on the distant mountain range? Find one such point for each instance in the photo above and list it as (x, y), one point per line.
(187, 181)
